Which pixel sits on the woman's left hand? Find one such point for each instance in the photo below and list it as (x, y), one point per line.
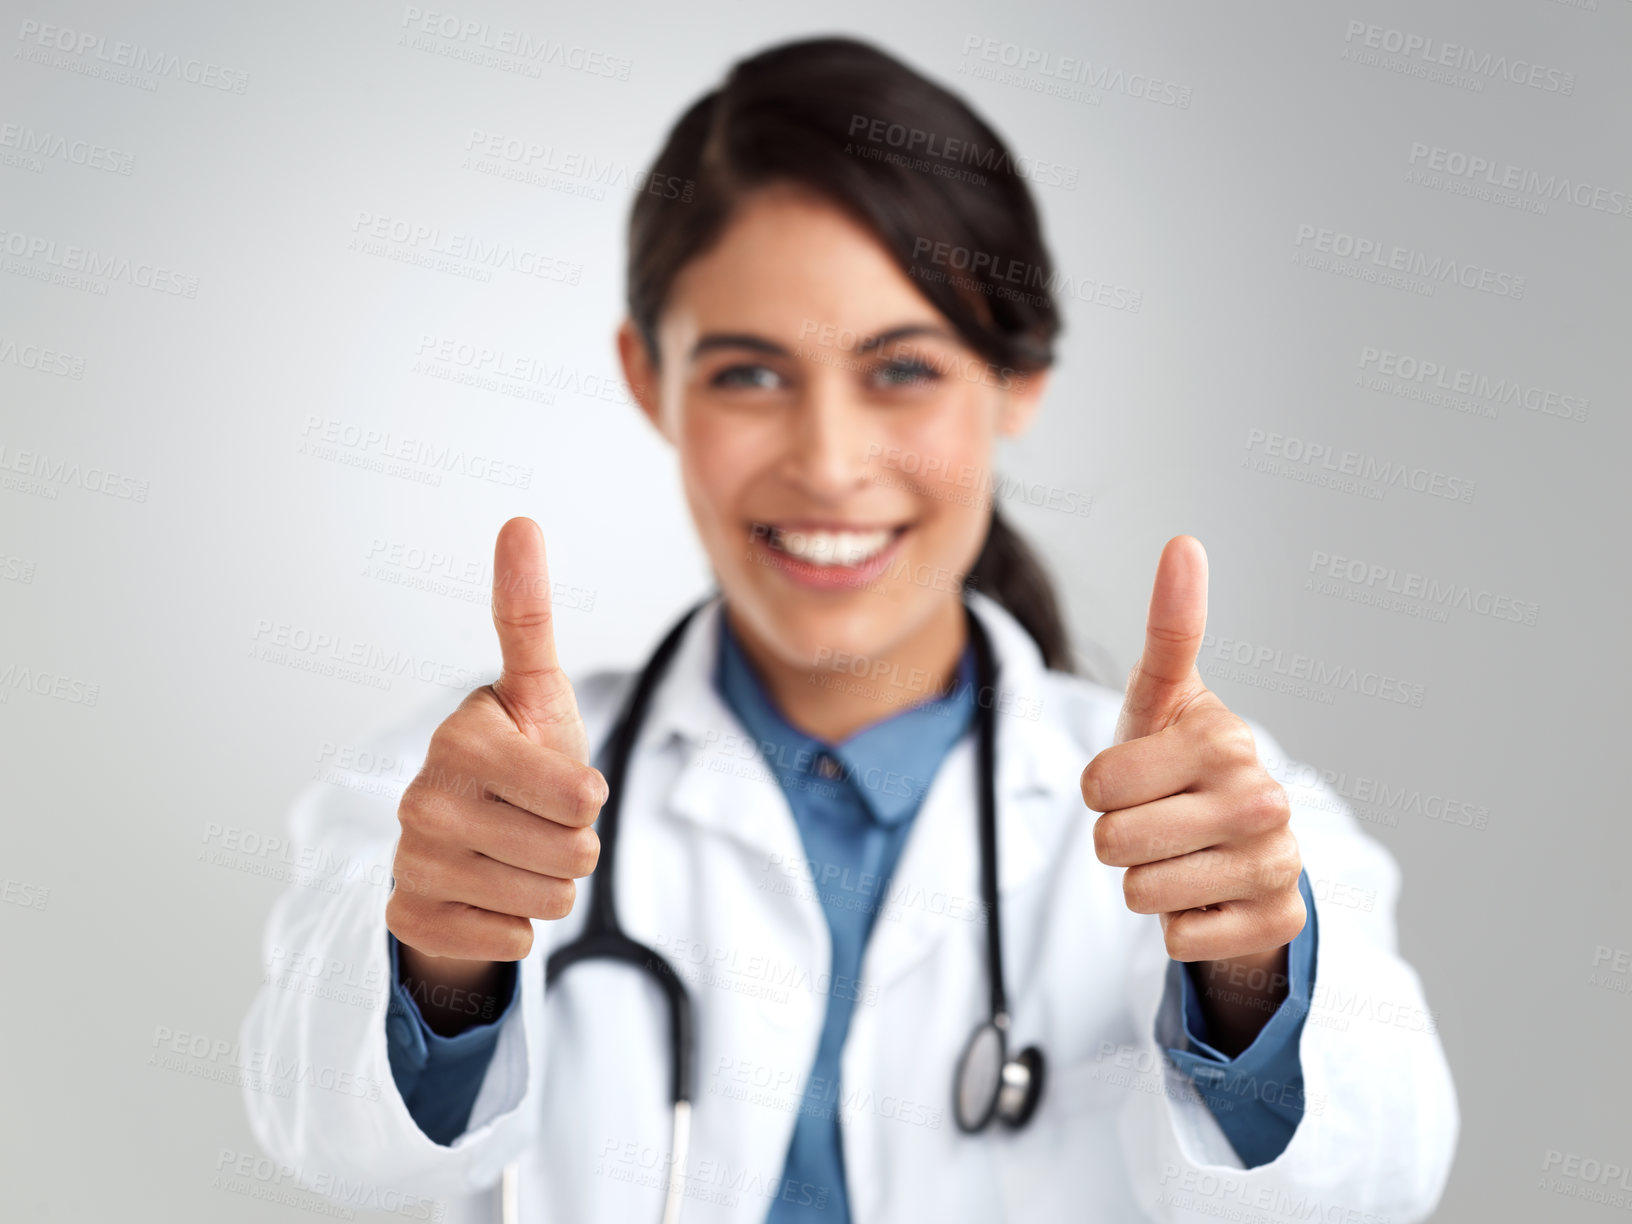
(1191, 812)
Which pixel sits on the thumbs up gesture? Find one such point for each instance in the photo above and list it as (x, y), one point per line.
(1200, 824)
(497, 825)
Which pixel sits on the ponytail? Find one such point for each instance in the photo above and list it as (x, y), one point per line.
(1009, 571)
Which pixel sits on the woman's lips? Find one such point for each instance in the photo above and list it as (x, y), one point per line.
(827, 558)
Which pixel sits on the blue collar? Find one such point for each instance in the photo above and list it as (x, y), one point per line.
(890, 762)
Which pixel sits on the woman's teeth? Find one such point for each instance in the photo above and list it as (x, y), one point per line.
(839, 548)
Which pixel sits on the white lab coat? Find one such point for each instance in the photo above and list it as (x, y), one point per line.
(710, 873)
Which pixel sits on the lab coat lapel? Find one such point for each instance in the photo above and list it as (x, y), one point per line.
(936, 887)
(723, 785)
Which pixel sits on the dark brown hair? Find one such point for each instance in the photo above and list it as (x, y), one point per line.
(912, 163)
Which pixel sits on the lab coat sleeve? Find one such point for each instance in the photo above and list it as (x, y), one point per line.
(1380, 1119)
(439, 1076)
(332, 1138)
(1256, 1095)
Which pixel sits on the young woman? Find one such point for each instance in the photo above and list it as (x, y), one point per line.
(887, 915)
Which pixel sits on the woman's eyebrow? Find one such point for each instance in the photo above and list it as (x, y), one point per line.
(760, 344)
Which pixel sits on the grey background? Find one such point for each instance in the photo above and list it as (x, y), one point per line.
(114, 927)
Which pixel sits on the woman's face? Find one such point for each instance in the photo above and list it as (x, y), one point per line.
(835, 435)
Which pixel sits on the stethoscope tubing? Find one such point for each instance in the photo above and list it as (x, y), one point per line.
(603, 937)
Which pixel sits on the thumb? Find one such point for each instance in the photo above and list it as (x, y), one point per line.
(1165, 679)
(532, 687)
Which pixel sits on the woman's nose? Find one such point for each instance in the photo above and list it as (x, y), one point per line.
(828, 446)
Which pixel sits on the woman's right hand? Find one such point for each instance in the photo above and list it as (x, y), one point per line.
(497, 824)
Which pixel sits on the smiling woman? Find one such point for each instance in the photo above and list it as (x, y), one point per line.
(780, 445)
(833, 336)
(826, 254)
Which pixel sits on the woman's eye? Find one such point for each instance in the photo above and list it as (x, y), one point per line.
(755, 377)
(906, 374)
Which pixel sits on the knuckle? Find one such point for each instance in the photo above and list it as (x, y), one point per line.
(1297, 915)
(1268, 806)
(1180, 943)
(454, 739)
(428, 816)
(1243, 744)
(1231, 743)
(587, 792)
(410, 873)
(1138, 891)
(558, 899)
(1109, 841)
(517, 941)
(410, 922)
(413, 809)
(1285, 864)
(1092, 786)
(586, 852)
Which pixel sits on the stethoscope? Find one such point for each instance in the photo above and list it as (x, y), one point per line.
(988, 1083)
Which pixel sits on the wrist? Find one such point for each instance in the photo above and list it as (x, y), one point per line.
(453, 994)
(1239, 994)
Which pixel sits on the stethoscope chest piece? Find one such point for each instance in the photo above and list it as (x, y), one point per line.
(990, 1084)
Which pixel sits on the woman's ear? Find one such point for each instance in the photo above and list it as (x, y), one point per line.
(639, 373)
(1020, 400)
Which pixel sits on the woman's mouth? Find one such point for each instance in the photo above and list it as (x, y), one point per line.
(827, 557)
